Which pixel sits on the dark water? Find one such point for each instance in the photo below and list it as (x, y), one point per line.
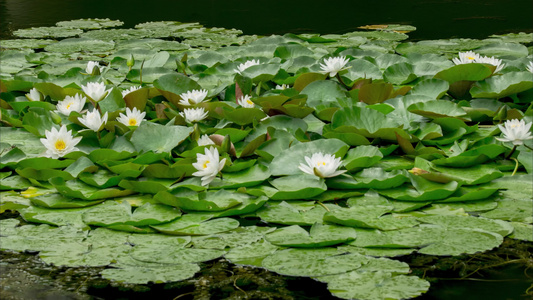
(434, 18)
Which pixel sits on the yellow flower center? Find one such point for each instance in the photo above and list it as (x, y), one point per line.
(321, 163)
(470, 58)
(60, 145)
(514, 125)
(205, 164)
(132, 122)
(69, 104)
(249, 102)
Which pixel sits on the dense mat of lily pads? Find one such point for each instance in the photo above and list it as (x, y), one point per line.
(151, 150)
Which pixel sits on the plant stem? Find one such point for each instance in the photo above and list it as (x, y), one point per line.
(516, 166)
(341, 82)
(511, 153)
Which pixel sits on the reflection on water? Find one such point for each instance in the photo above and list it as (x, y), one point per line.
(434, 19)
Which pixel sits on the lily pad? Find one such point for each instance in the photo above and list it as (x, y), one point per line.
(312, 262)
(319, 236)
(297, 187)
(502, 86)
(80, 44)
(197, 224)
(288, 161)
(140, 275)
(376, 286)
(111, 213)
(158, 138)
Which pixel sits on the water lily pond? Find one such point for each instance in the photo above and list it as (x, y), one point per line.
(359, 161)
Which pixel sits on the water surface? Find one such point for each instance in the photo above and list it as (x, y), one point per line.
(434, 18)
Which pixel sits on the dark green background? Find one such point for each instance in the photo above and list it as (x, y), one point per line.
(434, 19)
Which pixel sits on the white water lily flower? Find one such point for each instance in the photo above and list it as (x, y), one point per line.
(34, 95)
(322, 165)
(59, 143)
(246, 65)
(193, 97)
(70, 104)
(515, 131)
(131, 89)
(530, 67)
(245, 101)
(95, 90)
(192, 115)
(204, 140)
(465, 58)
(91, 65)
(491, 61)
(281, 87)
(208, 165)
(133, 117)
(93, 120)
(333, 65)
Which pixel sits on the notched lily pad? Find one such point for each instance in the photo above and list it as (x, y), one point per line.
(318, 236)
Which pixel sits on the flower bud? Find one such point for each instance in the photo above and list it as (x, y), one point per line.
(130, 62)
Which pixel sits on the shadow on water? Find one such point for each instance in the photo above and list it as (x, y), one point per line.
(434, 19)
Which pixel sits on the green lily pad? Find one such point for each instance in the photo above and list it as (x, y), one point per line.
(145, 275)
(367, 122)
(79, 190)
(362, 157)
(471, 157)
(158, 138)
(197, 224)
(168, 254)
(288, 161)
(369, 217)
(43, 32)
(73, 45)
(297, 187)
(11, 200)
(424, 190)
(437, 109)
(465, 72)
(251, 254)
(319, 236)
(312, 262)
(288, 214)
(471, 193)
(245, 178)
(502, 86)
(512, 210)
(498, 226)
(90, 23)
(26, 43)
(372, 198)
(174, 84)
(434, 88)
(399, 74)
(111, 213)
(209, 201)
(57, 217)
(234, 238)
(375, 286)
(522, 231)
(323, 92)
(55, 200)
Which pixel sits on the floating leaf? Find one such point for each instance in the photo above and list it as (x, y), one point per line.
(158, 138)
(288, 161)
(312, 262)
(319, 236)
(502, 86)
(376, 286)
